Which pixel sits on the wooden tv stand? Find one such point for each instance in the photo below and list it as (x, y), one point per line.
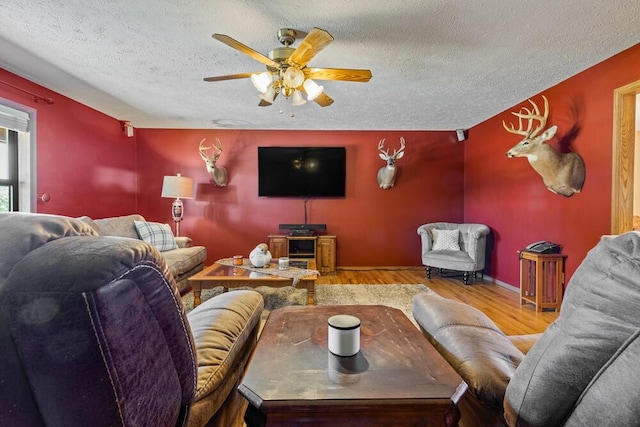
(322, 249)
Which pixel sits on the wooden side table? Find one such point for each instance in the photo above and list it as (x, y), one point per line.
(542, 279)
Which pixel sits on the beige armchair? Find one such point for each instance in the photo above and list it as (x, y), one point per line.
(457, 247)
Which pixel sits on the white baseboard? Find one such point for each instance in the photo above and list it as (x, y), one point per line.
(502, 284)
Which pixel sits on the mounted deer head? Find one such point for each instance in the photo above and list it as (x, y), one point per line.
(218, 174)
(387, 174)
(562, 173)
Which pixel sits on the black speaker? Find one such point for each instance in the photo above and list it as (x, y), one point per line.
(302, 229)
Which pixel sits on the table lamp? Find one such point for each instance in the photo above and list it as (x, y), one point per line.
(178, 187)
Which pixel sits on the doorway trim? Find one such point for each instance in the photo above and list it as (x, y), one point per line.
(624, 130)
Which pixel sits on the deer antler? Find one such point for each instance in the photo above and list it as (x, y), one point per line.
(395, 152)
(530, 116)
(203, 150)
(381, 147)
(217, 151)
(401, 147)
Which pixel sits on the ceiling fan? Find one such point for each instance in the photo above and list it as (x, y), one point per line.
(287, 72)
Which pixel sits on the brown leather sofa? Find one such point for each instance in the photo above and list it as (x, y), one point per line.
(93, 333)
(183, 262)
(582, 371)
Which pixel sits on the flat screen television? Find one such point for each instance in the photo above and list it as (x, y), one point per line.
(301, 171)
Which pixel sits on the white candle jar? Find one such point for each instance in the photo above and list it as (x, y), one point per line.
(344, 335)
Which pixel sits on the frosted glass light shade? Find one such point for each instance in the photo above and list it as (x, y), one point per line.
(261, 81)
(269, 95)
(177, 186)
(297, 99)
(313, 89)
(293, 77)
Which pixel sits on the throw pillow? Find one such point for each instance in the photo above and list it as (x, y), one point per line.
(156, 234)
(446, 240)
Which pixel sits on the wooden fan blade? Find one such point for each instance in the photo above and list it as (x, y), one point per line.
(230, 77)
(245, 49)
(314, 42)
(323, 100)
(346, 74)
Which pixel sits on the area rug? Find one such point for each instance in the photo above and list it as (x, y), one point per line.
(397, 296)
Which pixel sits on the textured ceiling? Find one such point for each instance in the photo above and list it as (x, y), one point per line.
(436, 65)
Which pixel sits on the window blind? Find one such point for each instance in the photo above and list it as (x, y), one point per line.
(13, 119)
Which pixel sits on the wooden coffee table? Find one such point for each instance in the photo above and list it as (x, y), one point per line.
(233, 277)
(397, 379)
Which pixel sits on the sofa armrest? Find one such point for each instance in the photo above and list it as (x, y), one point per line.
(425, 237)
(424, 228)
(471, 343)
(524, 342)
(225, 331)
(183, 241)
(478, 231)
(476, 242)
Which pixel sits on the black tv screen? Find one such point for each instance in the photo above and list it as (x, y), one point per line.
(301, 171)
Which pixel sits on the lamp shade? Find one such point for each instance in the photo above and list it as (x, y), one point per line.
(297, 99)
(313, 89)
(261, 81)
(293, 77)
(269, 95)
(177, 187)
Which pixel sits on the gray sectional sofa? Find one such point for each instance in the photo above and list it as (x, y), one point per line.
(582, 371)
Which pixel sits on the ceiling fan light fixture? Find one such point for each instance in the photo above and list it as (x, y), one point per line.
(313, 89)
(293, 77)
(269, 95)
(297, 99)
(287, 70)
(262, 81)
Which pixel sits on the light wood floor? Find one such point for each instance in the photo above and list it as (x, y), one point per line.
(500, 304)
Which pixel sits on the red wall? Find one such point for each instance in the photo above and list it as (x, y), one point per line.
(374, 227)
(509, 196)
(89, 167)
(84, 161)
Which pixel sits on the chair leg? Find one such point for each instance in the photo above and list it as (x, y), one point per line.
(428, 270)
(465, 278)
